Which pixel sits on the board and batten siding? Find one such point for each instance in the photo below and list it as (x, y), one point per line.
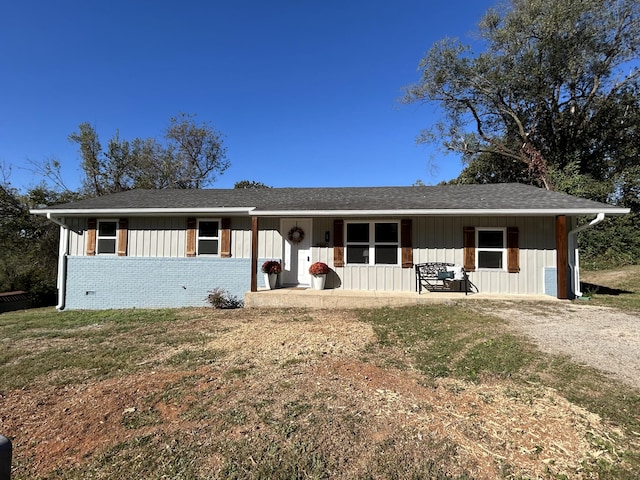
(440, 239)
(166, 237)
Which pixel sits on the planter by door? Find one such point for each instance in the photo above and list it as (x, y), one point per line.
(317, 281)
(270, 280)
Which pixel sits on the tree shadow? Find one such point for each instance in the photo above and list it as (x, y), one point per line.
(602, 290)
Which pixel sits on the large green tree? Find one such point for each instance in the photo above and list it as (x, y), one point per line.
(552, 99)
(554, 95)
(190, 156)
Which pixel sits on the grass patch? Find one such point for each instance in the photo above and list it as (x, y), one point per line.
(618, 288)
(243, 418)
(454, 341)
(66, 347)
(446, 341)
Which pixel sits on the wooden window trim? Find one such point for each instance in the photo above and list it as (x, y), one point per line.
(122, 235)
(92, 224)
(338, 243)
(225, 237)
(191, 236)
(469, 243)
(406, 242)
(513, 250)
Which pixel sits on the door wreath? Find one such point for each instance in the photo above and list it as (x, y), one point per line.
(295, 235)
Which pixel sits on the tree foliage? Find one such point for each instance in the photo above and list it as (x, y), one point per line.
(553, 100)
(556, 90)
(191, 156)
(29, 253)
(244, 184)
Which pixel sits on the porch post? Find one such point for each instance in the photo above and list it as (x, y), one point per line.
(562, 260)
(254, 254)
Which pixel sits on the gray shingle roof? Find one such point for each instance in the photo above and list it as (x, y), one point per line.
(439, 199)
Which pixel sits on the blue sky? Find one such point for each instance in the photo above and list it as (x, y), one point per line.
(304, 92)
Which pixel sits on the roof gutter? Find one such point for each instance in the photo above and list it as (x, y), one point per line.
(63, 249)
(433, 212)
(68, 212)
(574, 260)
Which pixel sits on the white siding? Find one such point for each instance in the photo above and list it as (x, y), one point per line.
(269, 238)
(157, 237)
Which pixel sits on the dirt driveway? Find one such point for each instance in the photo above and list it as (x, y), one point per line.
(601, 337)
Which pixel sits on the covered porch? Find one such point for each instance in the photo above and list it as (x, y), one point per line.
(300, 297)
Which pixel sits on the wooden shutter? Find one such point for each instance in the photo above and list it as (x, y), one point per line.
(469, 243)
(338, 243)
(123, 227)
(406, 240)
(513, 250)
(225, 238)
(191, 237)
(92, 224)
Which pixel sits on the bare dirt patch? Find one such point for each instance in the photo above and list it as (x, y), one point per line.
(297, 375)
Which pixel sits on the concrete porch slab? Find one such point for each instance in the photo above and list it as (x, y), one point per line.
(344, 299)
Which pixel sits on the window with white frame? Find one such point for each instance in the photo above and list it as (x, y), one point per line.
(491, 248)
(106, 237)
(372, 243)
(208, 239)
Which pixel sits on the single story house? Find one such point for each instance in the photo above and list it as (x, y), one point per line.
(169, 248)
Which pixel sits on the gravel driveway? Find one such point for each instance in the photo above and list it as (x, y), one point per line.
(601, 337)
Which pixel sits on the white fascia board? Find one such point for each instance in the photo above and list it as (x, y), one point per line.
(435, 212)
(140, 212)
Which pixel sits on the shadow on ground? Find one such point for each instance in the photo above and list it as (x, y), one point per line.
(602, 290)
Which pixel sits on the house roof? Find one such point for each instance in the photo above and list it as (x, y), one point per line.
(499, 199)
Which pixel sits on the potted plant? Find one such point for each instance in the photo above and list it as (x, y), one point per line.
(271, 269)
(318, 271)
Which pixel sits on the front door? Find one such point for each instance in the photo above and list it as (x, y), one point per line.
(297, 251)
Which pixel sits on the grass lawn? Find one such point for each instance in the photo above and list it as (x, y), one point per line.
(618, 288)
(437, 392)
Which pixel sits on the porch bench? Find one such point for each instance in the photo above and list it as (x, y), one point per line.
(438, 277)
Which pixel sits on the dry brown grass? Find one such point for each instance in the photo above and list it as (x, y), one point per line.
(295, 394)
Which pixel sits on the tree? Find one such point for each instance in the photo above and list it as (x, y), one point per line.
(244, 184)
(190, 157)
(195, 151)
(555, 92)
(28, 257)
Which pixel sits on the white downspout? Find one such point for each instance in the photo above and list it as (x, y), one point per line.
(63, 250)
(574, 260)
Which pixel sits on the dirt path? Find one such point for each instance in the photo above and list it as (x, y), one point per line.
(601, 337)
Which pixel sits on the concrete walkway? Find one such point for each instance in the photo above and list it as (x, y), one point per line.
(340, 299)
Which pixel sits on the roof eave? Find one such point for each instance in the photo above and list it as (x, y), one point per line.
(140, 212)
(438, 212)
(252, 211)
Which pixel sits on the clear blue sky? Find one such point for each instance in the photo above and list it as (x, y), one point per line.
(305, 92)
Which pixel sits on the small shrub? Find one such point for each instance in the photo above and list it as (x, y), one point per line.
(220, 298)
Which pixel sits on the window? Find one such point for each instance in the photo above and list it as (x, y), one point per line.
(374, 243)
(106, 237)
(491, 248)
(208, 237)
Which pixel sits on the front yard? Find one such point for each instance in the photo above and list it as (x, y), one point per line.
(422, 392)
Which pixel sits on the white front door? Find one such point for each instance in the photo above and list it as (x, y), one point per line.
(297, 251)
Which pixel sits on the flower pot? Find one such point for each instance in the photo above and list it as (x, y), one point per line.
(317, 281)
(270, 280)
